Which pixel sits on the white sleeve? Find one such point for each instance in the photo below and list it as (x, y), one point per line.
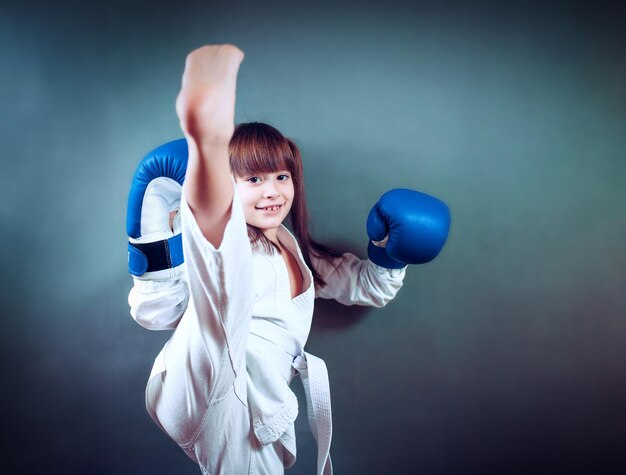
(158, 305)
(352, 281)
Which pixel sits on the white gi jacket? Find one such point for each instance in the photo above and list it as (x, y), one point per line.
(220, 386)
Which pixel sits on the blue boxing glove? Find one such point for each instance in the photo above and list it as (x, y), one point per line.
(406, 227)
(155, 248)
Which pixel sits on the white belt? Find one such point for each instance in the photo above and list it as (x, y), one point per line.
(314, 377)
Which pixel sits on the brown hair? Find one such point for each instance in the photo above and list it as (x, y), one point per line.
(260, 148)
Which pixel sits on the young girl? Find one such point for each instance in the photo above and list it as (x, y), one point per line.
(243, 306)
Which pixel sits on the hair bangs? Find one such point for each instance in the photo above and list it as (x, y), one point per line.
(259, 148)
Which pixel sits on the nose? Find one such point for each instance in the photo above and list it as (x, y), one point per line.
(270, 190)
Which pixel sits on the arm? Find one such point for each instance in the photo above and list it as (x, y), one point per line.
(206, 110)
(160, 293)
(352, 281)
(407, 227)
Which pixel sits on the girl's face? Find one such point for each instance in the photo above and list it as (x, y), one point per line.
(266, 199)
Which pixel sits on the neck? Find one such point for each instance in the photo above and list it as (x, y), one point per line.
(272, 235)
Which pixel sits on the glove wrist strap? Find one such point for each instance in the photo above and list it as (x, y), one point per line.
(155, 256)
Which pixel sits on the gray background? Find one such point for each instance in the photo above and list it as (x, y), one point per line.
(505, 355)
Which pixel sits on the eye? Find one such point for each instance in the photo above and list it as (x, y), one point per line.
(282, 177)
(254, 180)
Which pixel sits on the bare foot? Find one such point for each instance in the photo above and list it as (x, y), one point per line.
(206, 102)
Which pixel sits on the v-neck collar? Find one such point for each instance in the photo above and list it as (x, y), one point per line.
(287, 239)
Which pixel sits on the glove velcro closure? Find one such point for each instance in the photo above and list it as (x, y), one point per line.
(155, 256)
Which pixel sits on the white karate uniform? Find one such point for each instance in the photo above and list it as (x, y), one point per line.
(220, 385)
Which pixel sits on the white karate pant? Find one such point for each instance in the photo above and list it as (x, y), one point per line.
(197, 390)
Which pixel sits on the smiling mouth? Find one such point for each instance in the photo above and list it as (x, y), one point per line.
(270, 208)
